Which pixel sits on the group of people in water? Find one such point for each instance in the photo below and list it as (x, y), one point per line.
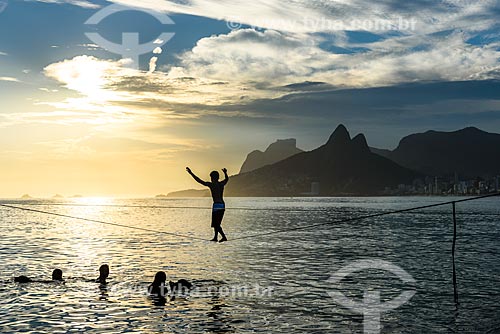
(57, 276)
(158, 289)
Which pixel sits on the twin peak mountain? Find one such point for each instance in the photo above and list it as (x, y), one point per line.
(342, 166)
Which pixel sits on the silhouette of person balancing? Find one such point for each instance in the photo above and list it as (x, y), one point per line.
(218, 208)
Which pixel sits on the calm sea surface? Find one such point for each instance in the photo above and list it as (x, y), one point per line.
(269, 284)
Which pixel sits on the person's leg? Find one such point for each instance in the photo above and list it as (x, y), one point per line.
(214, 225)
(215, 234)
(220, 227)
(222, 234)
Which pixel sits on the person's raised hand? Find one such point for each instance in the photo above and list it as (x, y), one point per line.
(188, 170)
(224, 170)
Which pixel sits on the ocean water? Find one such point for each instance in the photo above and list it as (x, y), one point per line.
(275, 283)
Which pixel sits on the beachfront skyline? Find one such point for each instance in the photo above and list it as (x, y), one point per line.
(77, 119)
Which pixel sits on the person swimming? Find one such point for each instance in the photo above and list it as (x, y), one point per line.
(181, 285)
(103, 274)
(57, 276)
(218, 207)
(159, 289)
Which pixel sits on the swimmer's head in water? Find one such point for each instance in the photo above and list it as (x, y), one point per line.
(57, 275)
(214, 175)
(160, 277)
(104, 271)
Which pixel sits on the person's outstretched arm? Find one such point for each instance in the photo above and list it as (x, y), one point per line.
(197, 179)
(226, 178)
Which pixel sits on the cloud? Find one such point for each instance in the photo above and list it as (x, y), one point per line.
(247, 65)
(90, 46)
(3, 53)
(9, 79)
(87, 75)
(96, 102)
(304, 16)
(385, 103)
(271, 58)
(47, 90)
(110, 94)
(248, 55)
(79, 3)
(298, 46)
(152, 64)
(108, 83)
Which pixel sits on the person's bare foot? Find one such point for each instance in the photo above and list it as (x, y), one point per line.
(223, 239)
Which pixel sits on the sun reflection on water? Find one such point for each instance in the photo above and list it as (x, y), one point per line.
(93, 201)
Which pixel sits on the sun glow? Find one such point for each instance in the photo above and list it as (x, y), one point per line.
(93, 201)
(87, 76)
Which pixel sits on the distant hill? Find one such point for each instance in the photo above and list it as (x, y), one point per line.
(26, 196)
(190, 193)
(277, 151)
(343, 166)
(470, 152)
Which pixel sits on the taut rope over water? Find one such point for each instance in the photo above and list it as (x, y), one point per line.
(243, 237)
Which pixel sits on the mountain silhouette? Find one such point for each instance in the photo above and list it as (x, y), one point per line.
(189, 193)
(277, 151)
(470, 152)
(342, 166)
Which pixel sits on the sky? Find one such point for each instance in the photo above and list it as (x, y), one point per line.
(78, 116)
